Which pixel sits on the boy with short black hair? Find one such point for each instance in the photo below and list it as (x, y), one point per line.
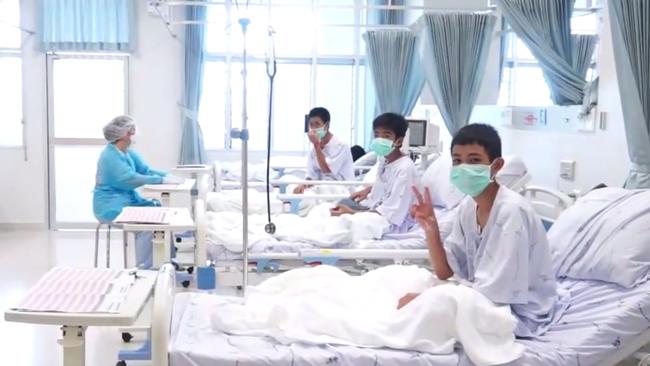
(329, 159)
(497, 244)
(390, 194)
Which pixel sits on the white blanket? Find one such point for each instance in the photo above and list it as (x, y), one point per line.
(324, 305)
(321, 229)
(230, 201)
(318, 228)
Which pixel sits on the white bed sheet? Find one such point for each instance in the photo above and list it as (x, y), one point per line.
(603, 318)
(218, 252)
(414, 239)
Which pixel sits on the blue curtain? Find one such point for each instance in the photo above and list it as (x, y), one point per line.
(86, 25)
(192, 150)
(583, 50)
(630, 22)
(395, 68)
(454, 54)
(386, 16)
(545, 27)
(377, 17)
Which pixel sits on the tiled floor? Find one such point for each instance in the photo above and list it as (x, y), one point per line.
(26, 256)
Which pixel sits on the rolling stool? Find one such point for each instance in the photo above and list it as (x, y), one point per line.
(109, 226)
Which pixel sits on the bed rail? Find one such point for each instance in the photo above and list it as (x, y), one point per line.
(161, 315)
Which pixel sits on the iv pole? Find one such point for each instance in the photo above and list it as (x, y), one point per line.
(243, 136)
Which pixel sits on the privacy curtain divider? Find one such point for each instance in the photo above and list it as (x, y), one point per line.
(630, 23)
(454, 49)
(395, 69)
(192, 150)
(583, 51)
(545, 27)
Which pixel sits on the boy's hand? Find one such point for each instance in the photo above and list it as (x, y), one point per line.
(314, 139)
(339, 210)
(300, 189)
(422, 211)
(360, 195)
(406, 299)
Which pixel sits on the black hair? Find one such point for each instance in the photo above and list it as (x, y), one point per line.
(480, 134)
(393, 122)
(320, 112)
(357, 152)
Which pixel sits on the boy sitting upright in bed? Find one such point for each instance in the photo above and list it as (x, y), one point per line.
(497, 245)
(390, 194)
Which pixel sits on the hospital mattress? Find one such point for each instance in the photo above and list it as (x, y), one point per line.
(219, 252)
(601, 320)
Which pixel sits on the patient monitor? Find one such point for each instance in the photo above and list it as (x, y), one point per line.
(423, 139)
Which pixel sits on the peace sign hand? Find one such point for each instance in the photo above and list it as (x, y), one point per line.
(422, 211)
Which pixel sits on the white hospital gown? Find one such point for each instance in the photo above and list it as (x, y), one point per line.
(391, 195)
(339, 160)
(509, 261)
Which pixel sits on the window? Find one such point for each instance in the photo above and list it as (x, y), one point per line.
(85, 91)
(319, 63)
(11, 110)
(88, 91)
(522, 80)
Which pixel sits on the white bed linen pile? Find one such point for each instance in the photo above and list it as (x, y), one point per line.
(324, 305)
(318, 228)
(230, 201)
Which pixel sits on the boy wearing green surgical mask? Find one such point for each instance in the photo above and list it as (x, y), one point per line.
(390, 194)
(329, 158)
(497, 244)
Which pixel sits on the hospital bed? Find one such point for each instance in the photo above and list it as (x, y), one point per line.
(604, 325)
(268, 257)
(596, 330)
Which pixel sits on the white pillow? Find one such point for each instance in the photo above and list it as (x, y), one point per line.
(513, 172)
(605, 236)
(369, 159)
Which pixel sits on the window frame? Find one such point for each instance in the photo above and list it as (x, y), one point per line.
(356, 60)
(53, 142)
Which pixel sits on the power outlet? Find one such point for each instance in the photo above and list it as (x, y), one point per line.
(567, 169)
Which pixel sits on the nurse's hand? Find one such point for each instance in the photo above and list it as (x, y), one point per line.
(422, 211)
(339, 210)
(406, 299)
(314, 139)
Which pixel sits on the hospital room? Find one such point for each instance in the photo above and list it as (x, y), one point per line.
(325, 182)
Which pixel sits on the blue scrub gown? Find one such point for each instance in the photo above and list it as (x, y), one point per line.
(118, 175)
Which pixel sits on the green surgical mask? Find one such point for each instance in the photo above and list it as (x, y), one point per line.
(471, 179)
(381, 146)
(320, 132)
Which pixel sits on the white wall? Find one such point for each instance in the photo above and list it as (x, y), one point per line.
(601, 156)
(23, 183)
(156, 87)
(156, 83)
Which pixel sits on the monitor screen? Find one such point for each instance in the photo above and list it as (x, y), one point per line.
(417, 132)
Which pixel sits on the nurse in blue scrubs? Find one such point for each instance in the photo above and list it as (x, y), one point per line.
(120, 170)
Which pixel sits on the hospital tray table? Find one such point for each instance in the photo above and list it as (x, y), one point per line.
(180, 220)
(73, 325)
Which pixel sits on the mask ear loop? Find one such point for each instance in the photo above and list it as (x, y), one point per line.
(493, 178)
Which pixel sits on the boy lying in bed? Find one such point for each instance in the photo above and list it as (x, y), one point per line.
(497, 245)
(390, 194)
